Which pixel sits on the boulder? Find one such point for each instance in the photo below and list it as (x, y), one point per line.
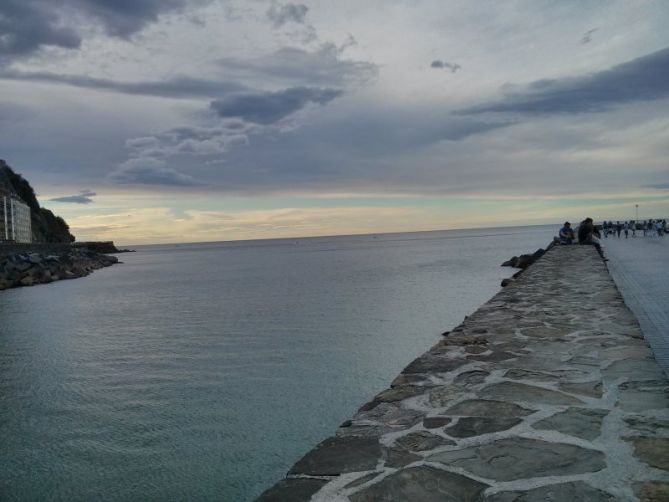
(524, 261)
(510, 262)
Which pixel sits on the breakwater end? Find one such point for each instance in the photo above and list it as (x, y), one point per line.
(105, 247)
(547, 392)
(41, 264)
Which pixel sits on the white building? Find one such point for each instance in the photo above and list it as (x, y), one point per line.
(14, 220)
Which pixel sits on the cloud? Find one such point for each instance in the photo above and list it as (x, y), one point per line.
(322, 66)
(437, 63)
(240, 115)
(659, 186)
(28, 25)
(84, 197)
(281, 14)
(587, 36)
(271, 107)
(642, 79)
(150, 171)
(191, 140)
(348, 147)
(176, 87)
(125, 18)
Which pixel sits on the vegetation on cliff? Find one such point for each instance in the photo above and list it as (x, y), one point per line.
(46, 226)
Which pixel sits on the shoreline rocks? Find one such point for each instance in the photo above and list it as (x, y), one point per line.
(29, 269)
(522, 262)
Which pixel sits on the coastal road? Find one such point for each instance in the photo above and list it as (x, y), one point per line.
(640, 268)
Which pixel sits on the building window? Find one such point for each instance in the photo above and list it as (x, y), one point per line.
(15, 223)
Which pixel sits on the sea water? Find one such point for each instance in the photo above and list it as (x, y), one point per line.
(204, 371)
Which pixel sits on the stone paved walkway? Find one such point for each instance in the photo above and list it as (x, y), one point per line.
(640, 268)
(548, 392)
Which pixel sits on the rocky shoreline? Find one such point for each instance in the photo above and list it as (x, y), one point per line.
(31, 268)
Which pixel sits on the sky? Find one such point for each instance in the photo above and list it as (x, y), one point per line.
(155, 121)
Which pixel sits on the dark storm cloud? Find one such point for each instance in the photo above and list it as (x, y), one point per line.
(270, 107)
(178, 87)
(323, 66)
(84, 197)
(281, 14)
(28, 25)
(150, 171)
(642, 79)
(123, 18)
(356, 150)
(350, 146)
(445, 65)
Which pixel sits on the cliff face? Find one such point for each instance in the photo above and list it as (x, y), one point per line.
(46, 226)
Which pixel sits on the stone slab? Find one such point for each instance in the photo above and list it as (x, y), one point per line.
(476, 426)
(520, 392)
(488, 408)
(579, 422)
(422, 440)
(422, 484)
(590, 389)
(436, 422)
(518, 458)
(292, 490)
(652, 491)
(653, 451)
(643, 396)
(339, 455)
(563, 492)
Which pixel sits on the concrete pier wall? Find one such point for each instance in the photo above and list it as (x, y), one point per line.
(547, 392)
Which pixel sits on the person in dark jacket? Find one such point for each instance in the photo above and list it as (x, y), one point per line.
(588, 235)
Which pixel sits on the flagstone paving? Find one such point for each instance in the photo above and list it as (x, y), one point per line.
(548, 392)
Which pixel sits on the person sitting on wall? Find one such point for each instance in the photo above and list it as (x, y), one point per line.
(566, 234)
(588, 235)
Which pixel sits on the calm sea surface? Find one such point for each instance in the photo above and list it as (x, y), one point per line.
(204, 371)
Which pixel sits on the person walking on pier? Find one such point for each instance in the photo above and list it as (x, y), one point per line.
(588, 235)
(650, 229)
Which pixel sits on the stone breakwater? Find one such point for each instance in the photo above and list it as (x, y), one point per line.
(28, 269)
(547, 392)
